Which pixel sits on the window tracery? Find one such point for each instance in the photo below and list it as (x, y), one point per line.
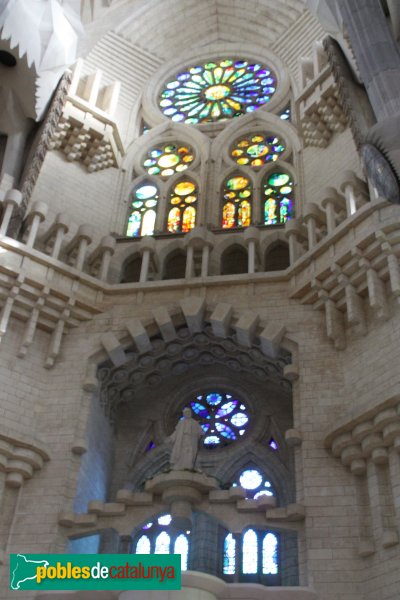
(255, 483)
(169, 158)
(182, 207)
(216, 91)
(259, 554)
(256, 150)
(237, 195)
(157, 537)
(222, 417)
(144, 200)
(277, 198)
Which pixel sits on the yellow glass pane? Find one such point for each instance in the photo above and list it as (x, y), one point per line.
(257, 138)
(242, 161)
(244, 214)
(184, 187)
(149, 219)
(237, 183)
(175, 200)
(167, 161)
(190, 199)
(188, 158)
(237, 152)
(243, 144)
(167, 172)
(174, 220)
(228, 216)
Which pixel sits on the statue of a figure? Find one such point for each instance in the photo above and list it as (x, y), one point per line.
(185, 440)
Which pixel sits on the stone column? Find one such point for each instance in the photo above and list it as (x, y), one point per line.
(13, 199)
(251, 235)
(61, 225)
(36, 215)
(107, 247)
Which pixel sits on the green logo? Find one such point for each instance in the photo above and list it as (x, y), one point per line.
(95, 572)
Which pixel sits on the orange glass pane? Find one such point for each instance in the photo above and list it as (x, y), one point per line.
(228, 215)
(189, 218)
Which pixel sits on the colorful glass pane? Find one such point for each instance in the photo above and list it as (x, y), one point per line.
(143, 545)
(142, 219)
(278, 203)
(229, 555)
(167, 159)
(183, 198)
(236, 212)
(257, 150)
(286, 114)
(250, 479)
(270, 554)
(221, 417)
(250, 552)
(164, 520)
(181, 547)
(217, 91)
(189, 218)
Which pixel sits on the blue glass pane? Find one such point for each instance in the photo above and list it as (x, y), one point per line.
(162, 543)
(211, 440)
(239, 419)
(164, 520)
(199, 409)
(214, 399)
(227, 408)
(225, 431)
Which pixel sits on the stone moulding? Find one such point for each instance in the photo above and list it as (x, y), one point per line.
(20, 457)
(366, 434)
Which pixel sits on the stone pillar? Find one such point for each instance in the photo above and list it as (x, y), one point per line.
(251, 235)
(294, 232)
(205, 259)
(84, 237)
(107, 247)
(125, 544)
(312, 215)
(147, 246)
(355, 191)
(189, 262)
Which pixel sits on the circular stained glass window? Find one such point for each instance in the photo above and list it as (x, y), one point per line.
(257, 150)
(167, 159)
(222, 417)
(216, 91)
(254, 482)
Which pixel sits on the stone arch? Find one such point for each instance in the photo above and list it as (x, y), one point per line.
(234, 259)
(276, 256)
(174, 264)
(130, 271)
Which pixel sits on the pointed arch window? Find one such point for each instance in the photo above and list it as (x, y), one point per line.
(143, 545)
(278, 198)
(237, 197)
(144, 200)
(270, 554)
(258, 559)
(182, 206)
(250, 552)
(181, 547)
(162, 544)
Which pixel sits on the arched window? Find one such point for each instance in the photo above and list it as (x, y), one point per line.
(167, 159)
(277, 198)
(223, 417)
(217, 91)
(157, 537)
(259, 557)
(229, 566)
(141, 221)
(234, 260)
(236, 208)
(182, 207)
(175, 265)
(256, 150)
(131, 270)
(277, 257)
(250, 552)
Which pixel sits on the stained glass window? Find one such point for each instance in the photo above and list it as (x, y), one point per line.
(278, 198)
(229, 555)
(217, 91)
(270, 554)
(257, 149)
(142, 219)
(182, 211)
(143, 545)
(236, 209)
(167, 159)
(181, 547)
(159, 537)
(255, 483)
(250, 552)
(286, 114)
(222, 417)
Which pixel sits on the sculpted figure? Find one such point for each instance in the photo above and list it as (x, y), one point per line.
(185, 440)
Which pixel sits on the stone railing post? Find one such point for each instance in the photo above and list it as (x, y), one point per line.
(36, 215)
(333, 203)
(147, 246)
(251, 235)
(294, 231)
(13, 199)
(61, 228)
(313, 216)
(355, 191)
